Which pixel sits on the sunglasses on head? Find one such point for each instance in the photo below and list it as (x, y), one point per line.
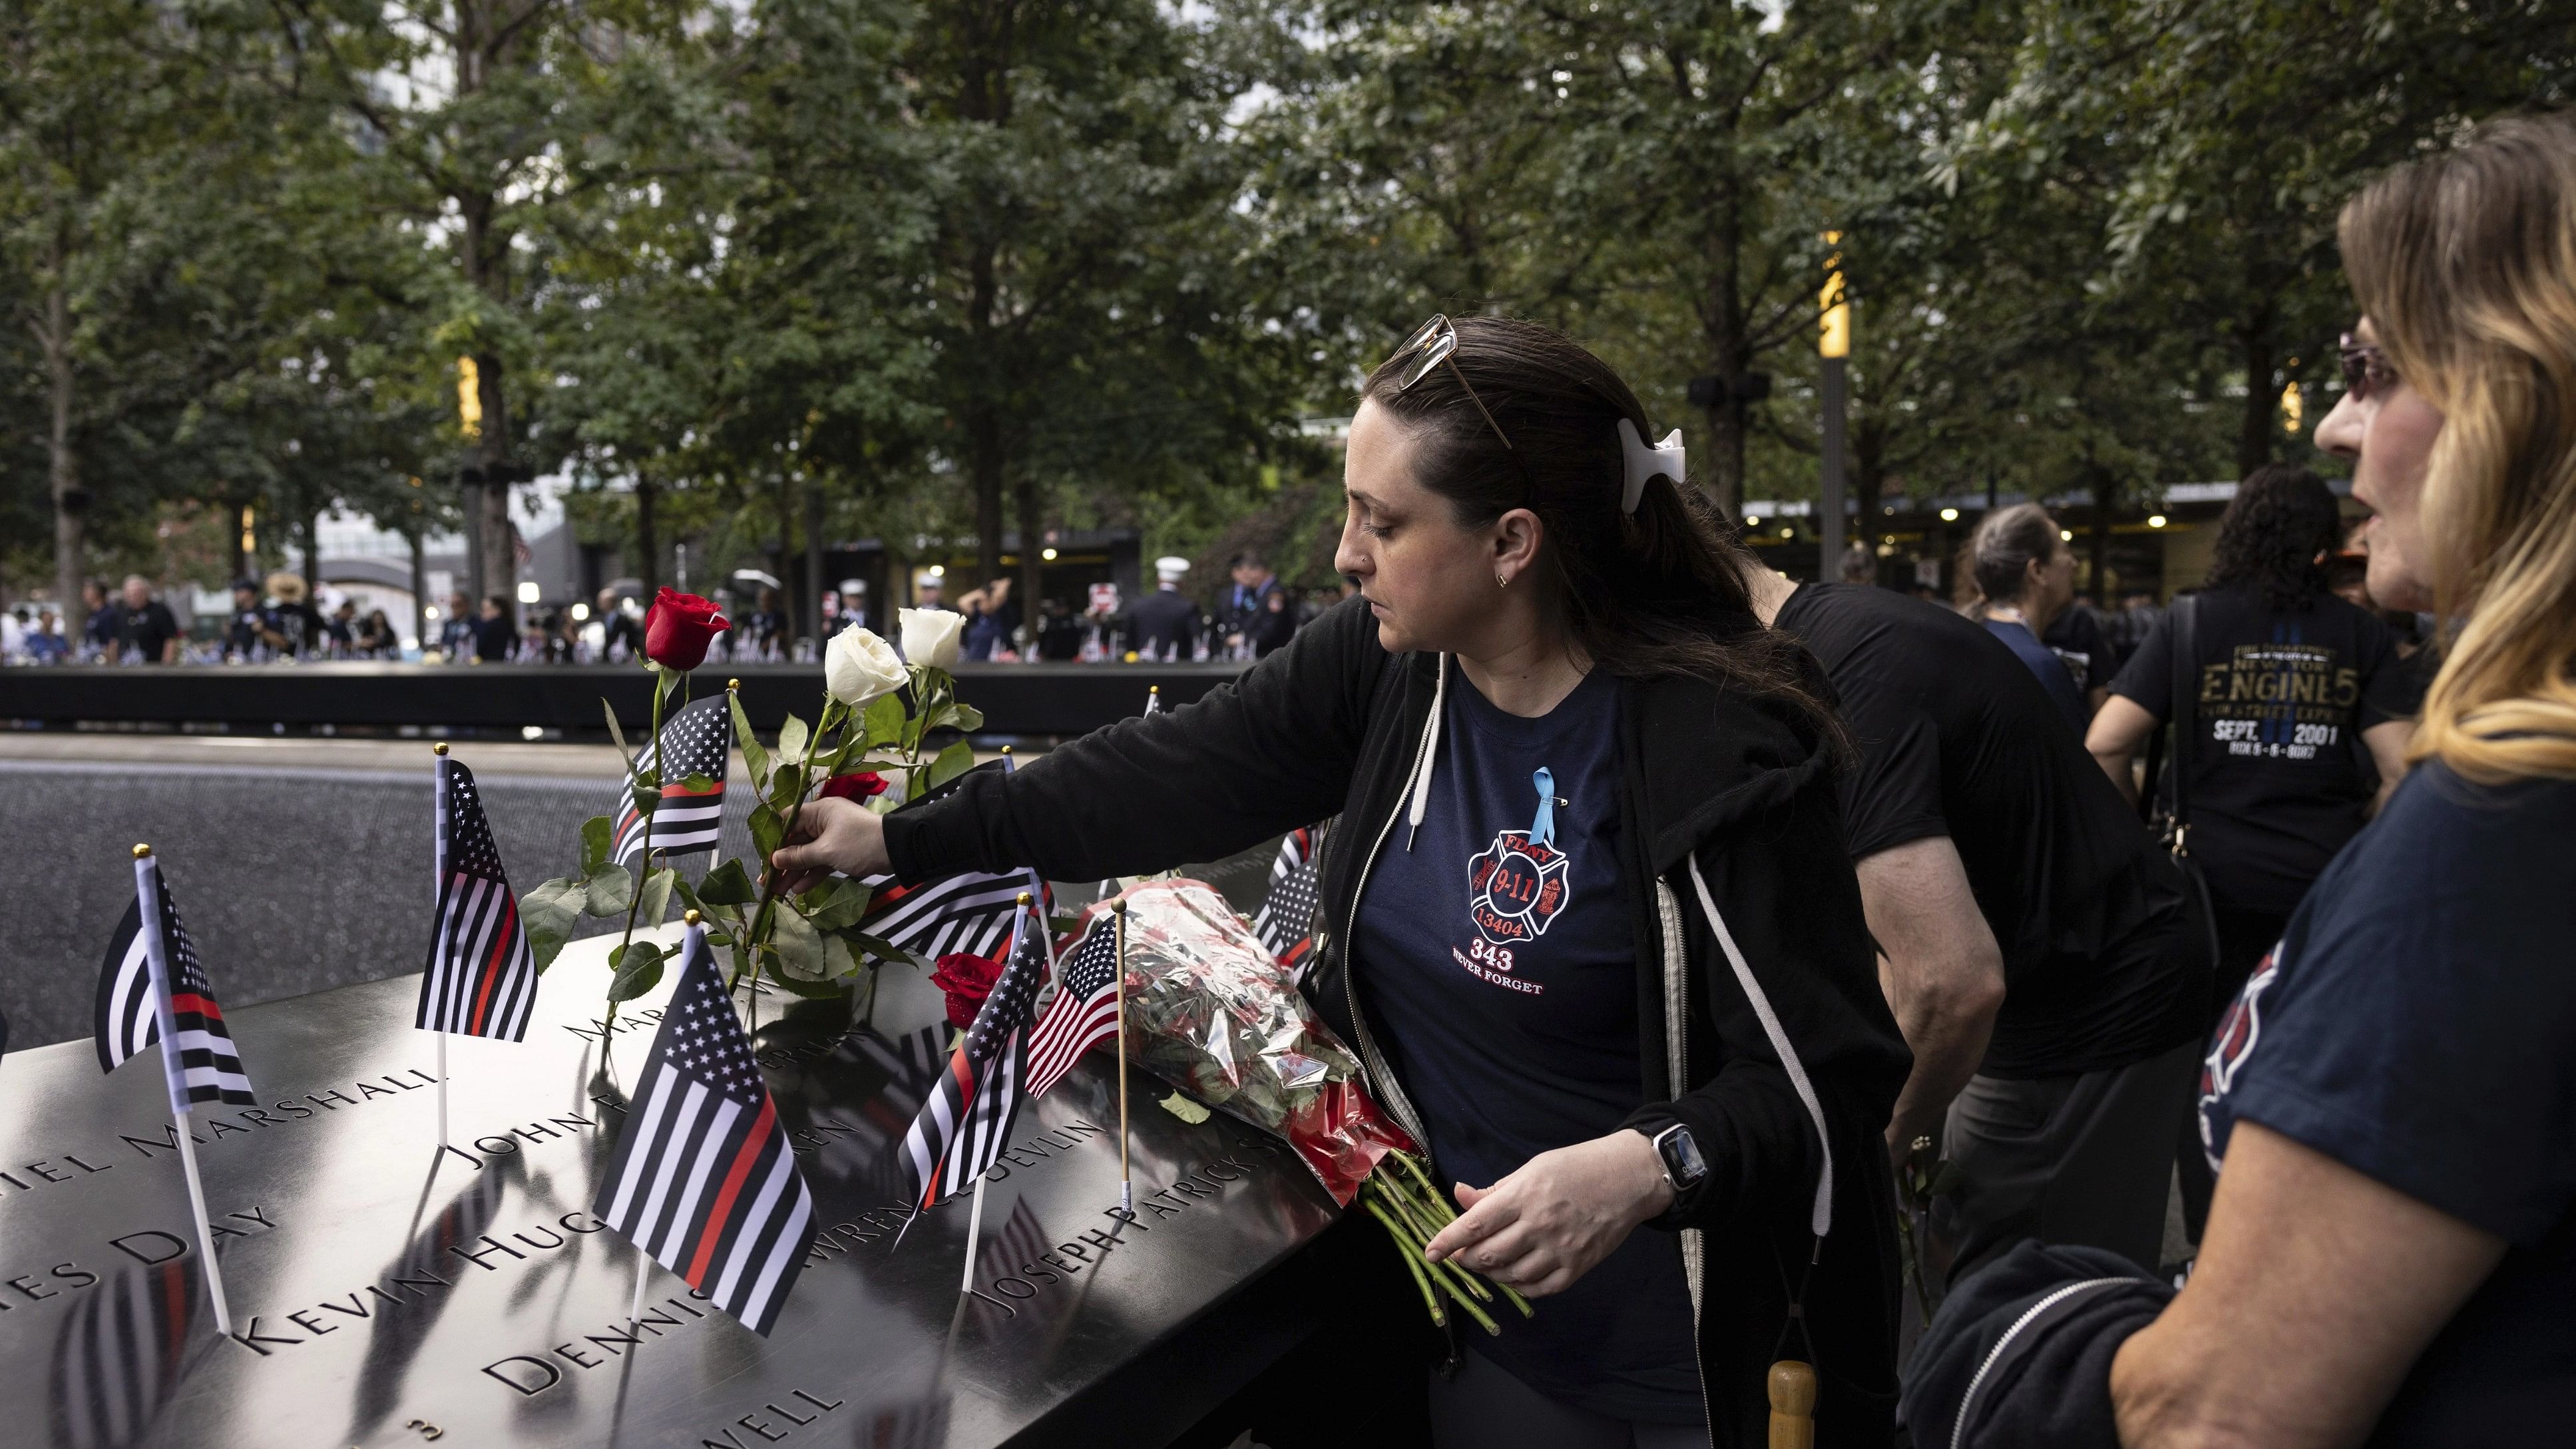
(1433, 343)
(2366, 369)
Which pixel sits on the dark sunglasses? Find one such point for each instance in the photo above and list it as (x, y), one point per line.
(2366, 369)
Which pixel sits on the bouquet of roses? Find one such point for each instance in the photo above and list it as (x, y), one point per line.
(1210, 1010)
(870, 741)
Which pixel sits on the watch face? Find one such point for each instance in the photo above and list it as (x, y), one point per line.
(1681, 1156)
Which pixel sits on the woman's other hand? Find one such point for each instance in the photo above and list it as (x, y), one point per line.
(830, 835)
(1544, 1226)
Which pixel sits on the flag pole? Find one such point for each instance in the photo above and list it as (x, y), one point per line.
(974, 1235)
(438, 821)
(1126, 1184)
(147, 885)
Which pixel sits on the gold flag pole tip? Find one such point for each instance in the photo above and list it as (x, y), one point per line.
(733, 684)
(439, 749)
(1025, 898)
(689, 918)
(142, 852)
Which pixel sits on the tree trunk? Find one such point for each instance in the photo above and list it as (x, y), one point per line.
(814, 546)
(2106, 498)
(1032, 539)
(71, 538)
(500, 542)
(983, 423)
(805, 596)
(648, 543)
(419, 589)
(313, 558)
(2254, 437)
(237, 521)
(1869, 480)
(1729, 350)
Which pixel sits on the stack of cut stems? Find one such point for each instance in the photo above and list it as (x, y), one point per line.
(1399, 1194)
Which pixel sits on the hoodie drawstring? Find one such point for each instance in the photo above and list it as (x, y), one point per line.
(1821, 1219)
(1430, 751)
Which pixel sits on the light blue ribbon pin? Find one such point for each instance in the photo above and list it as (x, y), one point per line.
(1542, 829)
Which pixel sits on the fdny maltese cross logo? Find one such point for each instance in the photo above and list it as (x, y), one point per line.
(1516, 887)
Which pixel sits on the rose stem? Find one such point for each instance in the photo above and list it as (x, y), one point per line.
(1445, 1270)
(769, 877)
(1430, 1299)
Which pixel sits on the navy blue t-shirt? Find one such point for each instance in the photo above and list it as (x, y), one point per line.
(1500, 973)
(2418, 1025)
(2043, 661)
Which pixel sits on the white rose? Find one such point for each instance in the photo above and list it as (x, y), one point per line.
(858, 667)
(930, 636)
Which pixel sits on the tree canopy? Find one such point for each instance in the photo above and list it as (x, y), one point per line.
(752, 275)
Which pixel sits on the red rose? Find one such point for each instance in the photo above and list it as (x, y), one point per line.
(678, 628)
(864, 785)
(968, 979)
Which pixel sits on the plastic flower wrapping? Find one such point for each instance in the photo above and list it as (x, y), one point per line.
(1210, 1011)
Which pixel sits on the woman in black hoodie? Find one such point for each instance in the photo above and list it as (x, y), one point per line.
(1586, 915)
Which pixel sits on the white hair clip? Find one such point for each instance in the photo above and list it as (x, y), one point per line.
(1644, 463)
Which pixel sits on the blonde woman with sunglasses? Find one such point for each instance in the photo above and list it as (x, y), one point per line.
(2391, 1255)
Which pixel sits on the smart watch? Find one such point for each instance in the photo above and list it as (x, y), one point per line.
(1684, 1168)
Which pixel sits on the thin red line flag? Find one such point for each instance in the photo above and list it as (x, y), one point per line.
(704, 1178)
(152, 975)
(482, 979)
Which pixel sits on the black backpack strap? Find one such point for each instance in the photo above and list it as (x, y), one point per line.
(2186, 714)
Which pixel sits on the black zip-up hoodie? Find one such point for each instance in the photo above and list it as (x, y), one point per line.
(1736, 874)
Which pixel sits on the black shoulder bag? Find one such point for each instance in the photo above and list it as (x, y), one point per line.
(2173, 829)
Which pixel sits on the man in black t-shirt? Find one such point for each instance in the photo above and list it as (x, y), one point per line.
(2037, 948)
(145, 630)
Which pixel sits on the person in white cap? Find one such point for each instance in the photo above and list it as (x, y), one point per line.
(1165, 623)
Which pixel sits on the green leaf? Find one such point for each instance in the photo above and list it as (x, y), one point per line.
(883, 722)
(698, 784)
(838, 967)
(638, 965)
(657, 896)
(836, 904)
(727, 885)
(953, 761)
(885, 950)
(646, 792)
(617, 733)
(598, 835)
(793, 737)
(787, 787)
(767, 829)
(966, 717)
(608, 891)
(754, 758)
(1183, 1108)
(549, 912)
(799, 947)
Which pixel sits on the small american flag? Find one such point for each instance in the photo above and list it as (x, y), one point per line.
(962, 1127)
(1084, 1011)
(697, 741)
(1286, 923)
(482, 979)
(704, 1178)
(151, 950)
